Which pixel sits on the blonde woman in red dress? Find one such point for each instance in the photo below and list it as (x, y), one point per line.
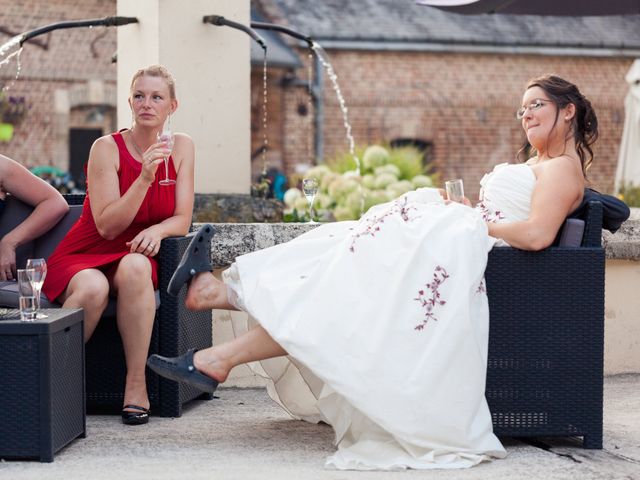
(110, 250)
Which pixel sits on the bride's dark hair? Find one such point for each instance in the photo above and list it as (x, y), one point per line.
(584, 123)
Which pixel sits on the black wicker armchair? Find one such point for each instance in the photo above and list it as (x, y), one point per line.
(175, 330)
(546, 340)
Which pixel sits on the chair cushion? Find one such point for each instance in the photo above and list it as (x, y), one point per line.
(571, 233)
(9, 298)
(614, 211)
(44, 245)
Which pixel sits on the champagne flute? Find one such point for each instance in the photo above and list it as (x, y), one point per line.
(455, 190)
(166, 136)
(37, 272)
(310, 189)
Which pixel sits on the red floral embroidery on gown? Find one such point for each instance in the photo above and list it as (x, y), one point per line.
(399, 377)
(83, 247)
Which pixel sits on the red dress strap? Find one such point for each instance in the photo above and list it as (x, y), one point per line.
(124, 152)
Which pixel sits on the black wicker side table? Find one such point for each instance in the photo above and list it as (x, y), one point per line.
(42, 395)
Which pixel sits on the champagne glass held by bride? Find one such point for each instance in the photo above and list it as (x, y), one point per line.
(166, 136)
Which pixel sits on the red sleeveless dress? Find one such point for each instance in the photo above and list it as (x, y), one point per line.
(83, 247)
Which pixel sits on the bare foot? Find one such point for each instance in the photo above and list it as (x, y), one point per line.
(208, 363)
(207, 292)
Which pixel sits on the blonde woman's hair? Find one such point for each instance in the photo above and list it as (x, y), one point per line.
(156, 71)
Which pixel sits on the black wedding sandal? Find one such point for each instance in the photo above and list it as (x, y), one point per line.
(194, 260)
(181, 369)
(140, 417)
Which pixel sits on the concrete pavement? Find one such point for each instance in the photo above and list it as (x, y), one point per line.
(244, 435)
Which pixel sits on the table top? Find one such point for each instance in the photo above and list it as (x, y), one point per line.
(57, 319)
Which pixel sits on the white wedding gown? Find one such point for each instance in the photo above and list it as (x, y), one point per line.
(386, 324)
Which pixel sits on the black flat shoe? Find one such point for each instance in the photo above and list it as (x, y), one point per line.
(194, 260)
(181, 369)
(135, 418)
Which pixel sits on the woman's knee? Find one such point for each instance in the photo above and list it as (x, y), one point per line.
(89, 288)
(133, 269)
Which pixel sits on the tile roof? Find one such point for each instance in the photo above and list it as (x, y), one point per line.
(279, 54)
(401, 21)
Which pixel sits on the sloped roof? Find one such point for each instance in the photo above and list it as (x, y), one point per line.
(402, 21)
(279, 54)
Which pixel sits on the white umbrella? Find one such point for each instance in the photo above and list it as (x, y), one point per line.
(537, 7)
(628, 170)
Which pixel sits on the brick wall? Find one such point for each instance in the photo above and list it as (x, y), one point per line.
(464, 104)
(58, 60)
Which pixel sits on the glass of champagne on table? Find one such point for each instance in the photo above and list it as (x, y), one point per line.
(37, 271)
(310, 189)
(166, 136)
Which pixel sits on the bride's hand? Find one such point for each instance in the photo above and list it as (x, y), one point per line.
(465, 201)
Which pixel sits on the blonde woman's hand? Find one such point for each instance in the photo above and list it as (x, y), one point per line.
(147, 242)
(151, 160)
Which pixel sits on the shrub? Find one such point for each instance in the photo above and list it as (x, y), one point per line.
(630, 194)
(386, 173)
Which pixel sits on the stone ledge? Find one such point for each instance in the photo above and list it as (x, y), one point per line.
(235, 239)
(235, 208)
(625, 244)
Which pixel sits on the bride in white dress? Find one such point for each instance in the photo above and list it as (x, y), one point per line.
(380, 327)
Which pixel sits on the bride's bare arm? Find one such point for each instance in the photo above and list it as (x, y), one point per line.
(558, 191)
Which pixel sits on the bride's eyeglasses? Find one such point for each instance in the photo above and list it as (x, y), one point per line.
(537, 104)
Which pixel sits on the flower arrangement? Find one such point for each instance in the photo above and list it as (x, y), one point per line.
(12, 109)
(385, 174)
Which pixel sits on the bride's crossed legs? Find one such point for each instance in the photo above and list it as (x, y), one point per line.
(206, 292)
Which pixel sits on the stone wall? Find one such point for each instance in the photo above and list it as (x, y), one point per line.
(229, 208)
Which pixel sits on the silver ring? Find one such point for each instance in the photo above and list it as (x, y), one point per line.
(152, 246)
